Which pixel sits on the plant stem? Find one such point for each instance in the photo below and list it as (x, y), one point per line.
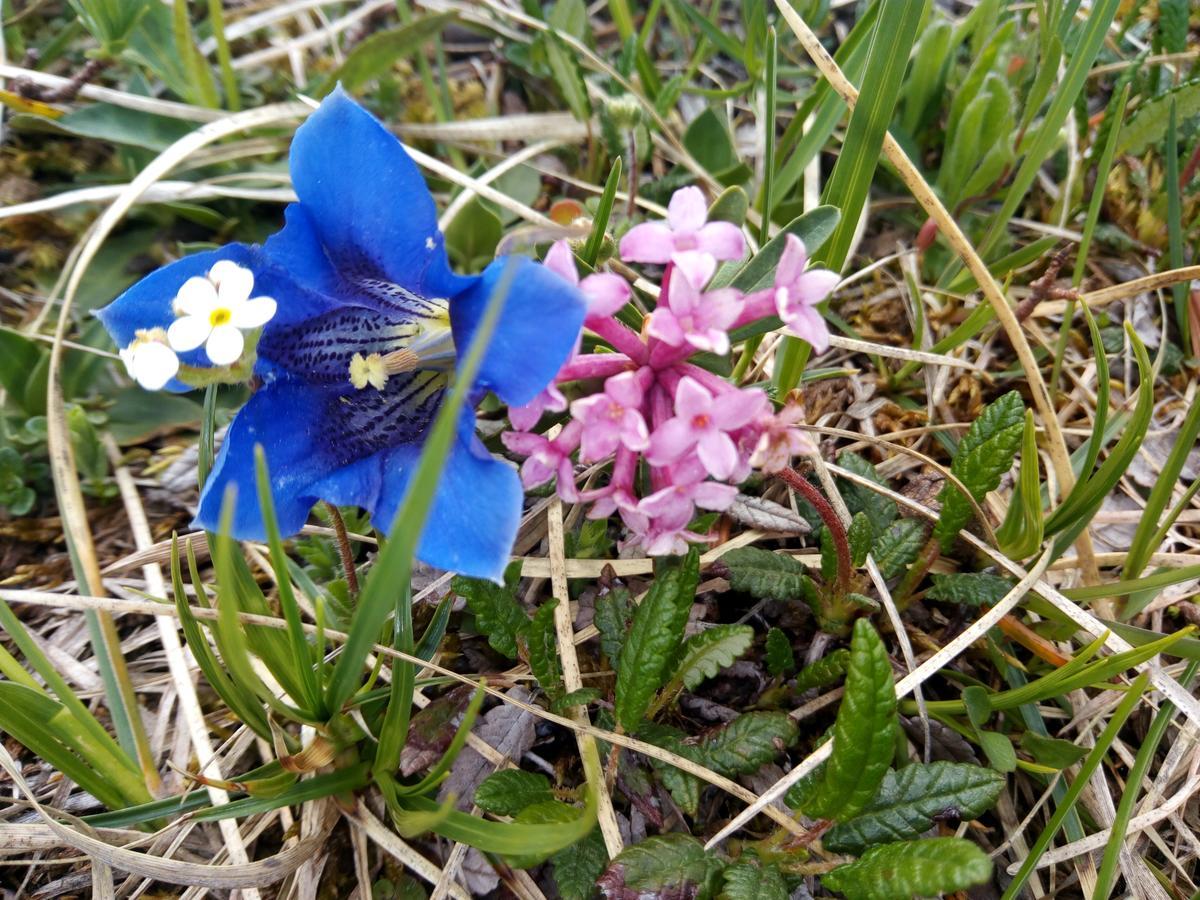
(343, 545)
(829, 516)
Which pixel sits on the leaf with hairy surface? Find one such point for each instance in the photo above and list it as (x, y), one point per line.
(913, 868)
(711, 650)
(497, 613)
(664, 866)
(763, 574)
(749, 742)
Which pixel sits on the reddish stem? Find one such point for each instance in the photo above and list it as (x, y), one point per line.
(829, 516)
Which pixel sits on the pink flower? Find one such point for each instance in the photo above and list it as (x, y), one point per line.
(779, 441)
(674, 506)
(703, 421)
(546, 459)
(523, 418)
(688, 316)
(618, 495)
(798, 292)
(685, 231)
(613, 417)
(606, 293)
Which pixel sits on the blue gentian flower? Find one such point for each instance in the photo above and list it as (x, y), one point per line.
(349, 318)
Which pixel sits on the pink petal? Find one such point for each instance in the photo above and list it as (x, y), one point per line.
(671, 503)
(814, 286)
(606, 293)
(718, 453)
(697, 267)
(598, 442)
(723, 240)
(626, 389)
(714, 496)
(737, 409)
(722, 307)
(808, 324)
(712, 340)
(634, 434)
(650, 242)
(791, 262)
(561, 261)
(670, 440)
(523, 442)
(687, 210)
(691, 399)
(664, 326)
(589, 409)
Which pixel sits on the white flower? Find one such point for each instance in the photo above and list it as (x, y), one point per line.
(149, 361)
(215, 310)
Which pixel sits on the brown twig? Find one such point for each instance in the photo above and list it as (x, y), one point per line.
(26, 88)
(343, 545)
(1045, 289)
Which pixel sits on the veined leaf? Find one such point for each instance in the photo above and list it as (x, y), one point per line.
(614, 613)
(863, 735)
(666, 865)
(1148, 124)
(985, 453)
(656, 632)
(577, 867)
(910, 799)
(971, 588)
(913, 868)
(541, 649)
(509, 791)
(711, 650)
(545, 812)
(761, 573)
(779, 653)
(497, 613)
(376, 55)
(825, 671)
(898, 546)
(880, 509)
(684, 786)
(746, 881)
(749, 742)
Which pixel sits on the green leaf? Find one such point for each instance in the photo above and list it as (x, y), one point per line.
(541, 650)
(1021, 533)
(813, 228)
(577, 867)
(711, 650)
(910, 799)
(999, 750)
(497, 613)
(971, 588)
(897, 547)
(985, 453)
(746, 744)
(473, 235)
(1053, 752)
(825, 671)
(614, 613)
(115, 124)
(545, 812)
(667, 865)
(881, 510)
(376, 55)
(746, 881)
(656, 632)
(564, 61)
(581, 697)
(19, 356)
(779, 653)
(509, 791)
(859, 535)
(684, 786)
(913, 868)
(863, 735)
(763, 574)
(1148, 124)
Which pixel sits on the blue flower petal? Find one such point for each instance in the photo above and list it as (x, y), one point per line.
(475, 514)
(536, 333)
(367, 202)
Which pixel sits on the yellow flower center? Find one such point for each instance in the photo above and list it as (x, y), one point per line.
(219, 316)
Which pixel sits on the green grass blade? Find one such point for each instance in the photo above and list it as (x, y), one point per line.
(768, 199)
(1179, 291)
(393, 733)
(591, 250)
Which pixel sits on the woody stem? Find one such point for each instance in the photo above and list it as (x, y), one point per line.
(829, 516)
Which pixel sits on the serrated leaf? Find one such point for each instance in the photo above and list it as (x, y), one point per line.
(581, 697)
(779, 653)
(497, 613)
(656, 632)
(684, 786)
(746, 881)
(763, 574)
(825, 671)
(577, 867)
(829, 556)
(1173, 24)
(541, 650)
(985, 453)
(910, 799)
(746, 744)
(879, 509)
(1148, 124)
(509, 791)
(614, 613)
(666, 865)
(912, 868)
(859, 535)
(711, 650)
(897, 547)
(863, 735)
(971, 588)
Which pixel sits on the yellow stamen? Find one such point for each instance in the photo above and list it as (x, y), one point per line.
(368, 370)
(403, 360)
(219, 316)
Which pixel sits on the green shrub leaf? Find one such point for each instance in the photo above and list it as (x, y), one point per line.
(509, 791)
(763, 574)
(497, 613)
(912, 868)
(614, 612)
(746, 744)
(656, 632)
(910, 799)
(684, 786)
(824, 671)
(746, 881)
(577, 867)
(879, 509)
(971, 588)
(779, 653)
(541, 650)
(898, 546)
(666, 865)
(711, 650)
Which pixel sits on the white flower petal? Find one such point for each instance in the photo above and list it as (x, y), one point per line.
(154, 365)
(127, 355)
(225, 345)
(234, 283)
(253, 313)
(197, 297)
(188, 333)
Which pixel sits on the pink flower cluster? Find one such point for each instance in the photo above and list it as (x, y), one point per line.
(698, 434)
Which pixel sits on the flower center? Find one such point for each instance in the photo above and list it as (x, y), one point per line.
(428, 344)
(701, 421)
(219, 316)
